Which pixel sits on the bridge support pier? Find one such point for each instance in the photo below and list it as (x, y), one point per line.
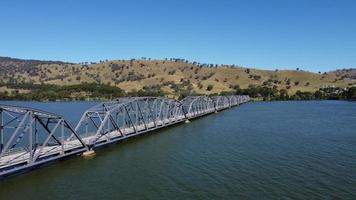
(89, 153)
(187, 121)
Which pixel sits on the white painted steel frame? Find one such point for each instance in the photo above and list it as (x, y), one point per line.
(102, 124)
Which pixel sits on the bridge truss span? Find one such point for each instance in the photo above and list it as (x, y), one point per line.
(111, 121)
(195, 106)
(30, 137)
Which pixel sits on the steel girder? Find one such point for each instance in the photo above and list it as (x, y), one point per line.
(221, 102)
(238, 99)
(198, 105)
(127, 116)
(29, 137)
(235, 100)
(243, 98)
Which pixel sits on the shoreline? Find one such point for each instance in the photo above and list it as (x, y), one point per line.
(103, 100)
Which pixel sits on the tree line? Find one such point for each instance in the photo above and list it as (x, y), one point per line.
(273, 94)
(95, 91)
(49, 92)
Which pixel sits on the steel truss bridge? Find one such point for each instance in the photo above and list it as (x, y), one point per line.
(30, 137)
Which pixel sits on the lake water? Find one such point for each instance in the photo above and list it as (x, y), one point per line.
(266, 150)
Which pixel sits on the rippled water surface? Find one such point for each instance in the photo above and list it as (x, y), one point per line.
(275, 150)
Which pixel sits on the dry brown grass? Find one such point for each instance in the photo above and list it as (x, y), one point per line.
(157, 72)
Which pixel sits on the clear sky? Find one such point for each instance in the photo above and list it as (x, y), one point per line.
(315, 35)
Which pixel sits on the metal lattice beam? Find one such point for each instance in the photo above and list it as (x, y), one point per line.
(29, 137)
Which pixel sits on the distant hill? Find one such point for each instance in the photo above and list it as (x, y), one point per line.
(345, 73)
(10, 64)
(170, 76)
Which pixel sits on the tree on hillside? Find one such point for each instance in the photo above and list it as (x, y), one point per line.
(351, 93)
(200, 86)
(283, 95)
(210, 87)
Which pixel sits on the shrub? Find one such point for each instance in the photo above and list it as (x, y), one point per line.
(210, 87)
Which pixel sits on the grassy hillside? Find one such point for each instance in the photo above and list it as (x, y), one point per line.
(169, 76)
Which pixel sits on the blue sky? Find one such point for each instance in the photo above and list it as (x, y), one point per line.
(315, 35)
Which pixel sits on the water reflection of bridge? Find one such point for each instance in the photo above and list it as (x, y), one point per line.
(30, 137)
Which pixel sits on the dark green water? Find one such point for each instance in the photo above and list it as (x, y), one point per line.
(276, 150)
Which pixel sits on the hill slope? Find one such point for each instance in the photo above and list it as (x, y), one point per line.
(170, 76)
